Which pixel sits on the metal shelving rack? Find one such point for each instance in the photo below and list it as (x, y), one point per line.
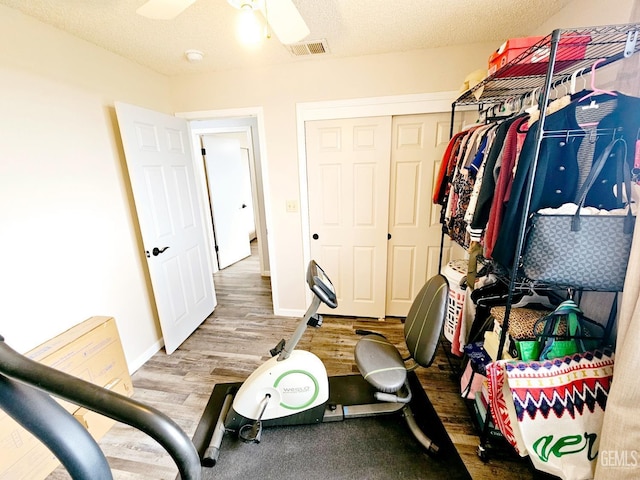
(544, 66)
(611, 43)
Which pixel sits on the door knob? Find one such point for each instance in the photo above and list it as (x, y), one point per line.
(157, 251)
(316, 236)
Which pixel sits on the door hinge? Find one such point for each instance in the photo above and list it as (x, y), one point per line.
(203, 151)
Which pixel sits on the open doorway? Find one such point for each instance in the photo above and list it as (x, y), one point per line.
(226, 160)
(245, 131)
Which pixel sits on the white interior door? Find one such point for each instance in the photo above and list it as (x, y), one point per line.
(227, 187)
(418, 143)
(348, 184)
(160, 164)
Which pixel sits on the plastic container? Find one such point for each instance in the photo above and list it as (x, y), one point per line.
(454, 272)
(571, 48)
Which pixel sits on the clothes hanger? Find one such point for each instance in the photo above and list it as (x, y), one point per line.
(566, 88)
(534, 104)
(574, 76)
(595, 90)
(532, 298)
(561, 100)
(533, 110)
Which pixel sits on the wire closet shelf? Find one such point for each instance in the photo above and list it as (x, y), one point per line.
(577, 51)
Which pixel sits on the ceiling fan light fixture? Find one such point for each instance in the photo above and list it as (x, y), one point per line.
(281, 17)
(250, 29)
(246, 4)
(285, 21)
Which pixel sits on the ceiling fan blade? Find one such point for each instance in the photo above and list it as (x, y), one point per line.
(163, 9)
(285, 21)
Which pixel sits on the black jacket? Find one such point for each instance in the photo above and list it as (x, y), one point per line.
(556, 179)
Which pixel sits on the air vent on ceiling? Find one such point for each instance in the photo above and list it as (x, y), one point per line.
(315, 47)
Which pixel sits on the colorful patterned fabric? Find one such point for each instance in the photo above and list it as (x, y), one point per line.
(502, 406)
(559, 406)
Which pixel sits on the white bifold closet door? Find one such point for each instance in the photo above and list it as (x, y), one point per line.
(373, 228)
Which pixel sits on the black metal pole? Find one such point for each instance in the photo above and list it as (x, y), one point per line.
(542, 107)
(110, 404)
(56, 428)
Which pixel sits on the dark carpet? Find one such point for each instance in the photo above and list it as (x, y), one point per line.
(363, 448)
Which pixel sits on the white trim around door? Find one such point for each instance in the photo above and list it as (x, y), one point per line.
(258, 113)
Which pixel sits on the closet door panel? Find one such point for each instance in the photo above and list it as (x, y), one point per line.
(418, 143)
(348, 179)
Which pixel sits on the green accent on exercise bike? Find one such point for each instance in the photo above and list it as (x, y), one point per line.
(315, 393)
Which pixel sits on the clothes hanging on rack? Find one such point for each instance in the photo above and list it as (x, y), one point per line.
(480, 215)
(562, 157)
(486, 168)
(462, 173)
(470, 151)
(510, 151)
(441, 190)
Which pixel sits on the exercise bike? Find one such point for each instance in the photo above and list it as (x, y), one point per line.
(292, 387)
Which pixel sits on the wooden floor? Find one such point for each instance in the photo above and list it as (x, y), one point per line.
(233, 341)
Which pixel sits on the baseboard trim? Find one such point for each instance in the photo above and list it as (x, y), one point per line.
(287, 312)
(145, 356)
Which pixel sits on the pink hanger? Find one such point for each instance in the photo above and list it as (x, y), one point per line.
(595, 90)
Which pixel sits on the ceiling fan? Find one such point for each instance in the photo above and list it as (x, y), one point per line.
(281, 15)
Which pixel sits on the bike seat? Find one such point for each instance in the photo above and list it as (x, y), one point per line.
(380, 363)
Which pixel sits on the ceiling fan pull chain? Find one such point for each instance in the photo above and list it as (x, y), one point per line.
(267, 26)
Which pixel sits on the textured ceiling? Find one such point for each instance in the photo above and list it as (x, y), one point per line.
(350, 28)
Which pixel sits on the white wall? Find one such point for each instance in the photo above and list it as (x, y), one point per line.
(69, 247)
(586, 13)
